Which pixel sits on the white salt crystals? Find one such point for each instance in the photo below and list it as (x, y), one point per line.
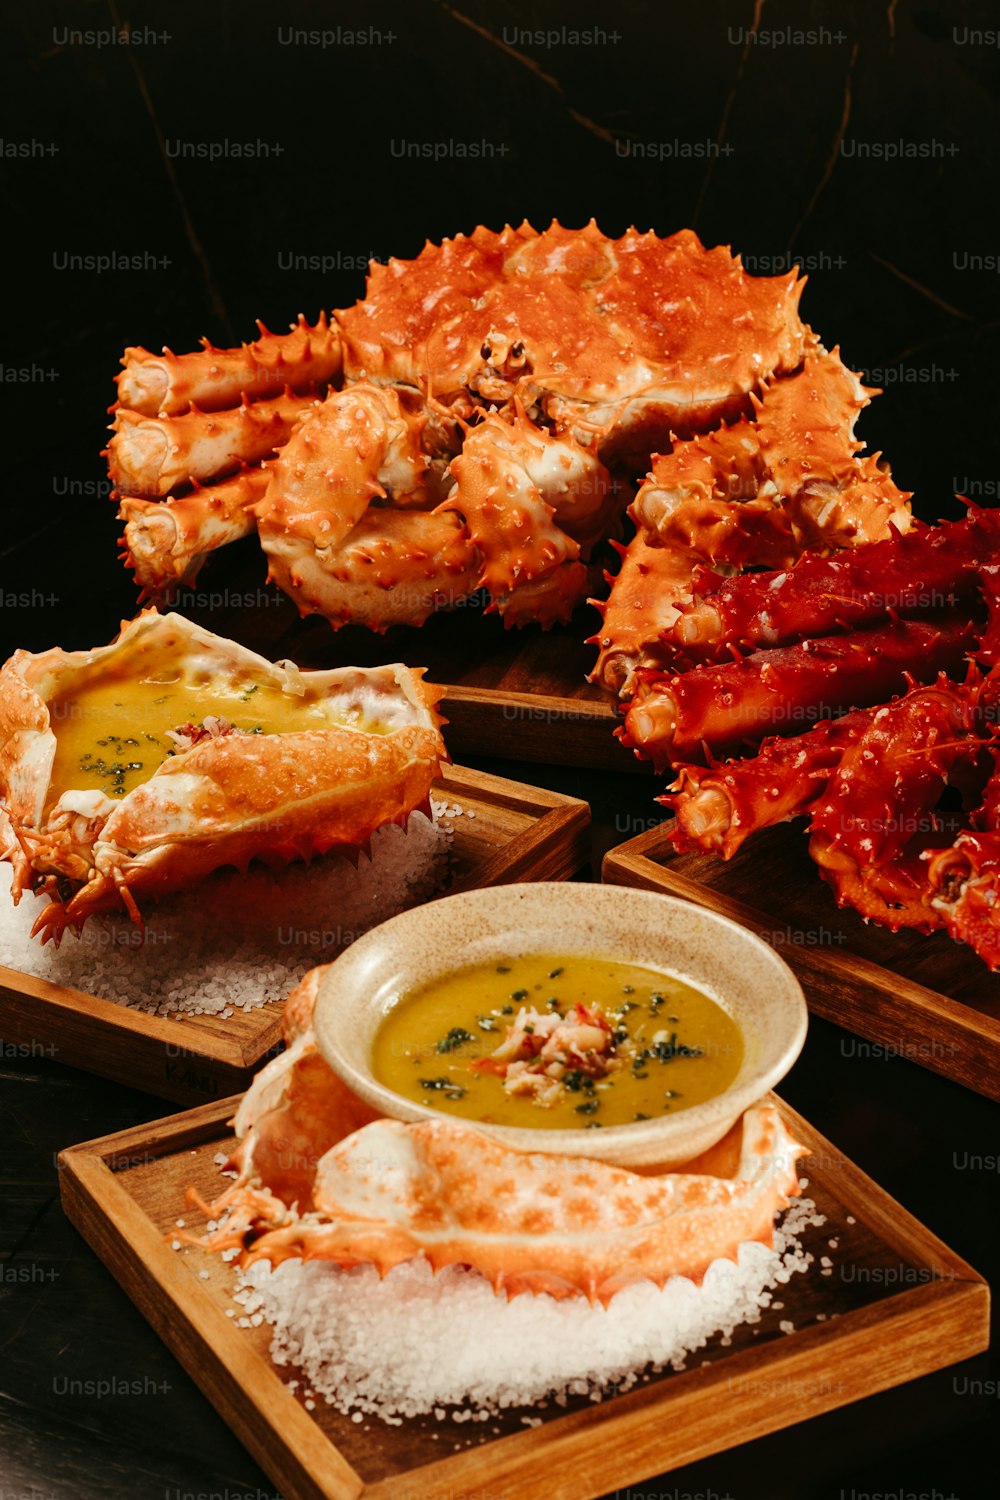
(413, 1343)
(233, 940)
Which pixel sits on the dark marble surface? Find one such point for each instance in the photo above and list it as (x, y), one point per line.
(865, 149)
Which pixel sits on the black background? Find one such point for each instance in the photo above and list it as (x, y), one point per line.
(673, 117)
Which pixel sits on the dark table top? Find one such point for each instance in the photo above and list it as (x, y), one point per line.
(856, 139)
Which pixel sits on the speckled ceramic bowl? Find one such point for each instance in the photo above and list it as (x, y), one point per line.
(737, 969)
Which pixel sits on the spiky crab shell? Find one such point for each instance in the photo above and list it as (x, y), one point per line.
(389, 1192)
(622, 333)
(225, 800)
(166, 385)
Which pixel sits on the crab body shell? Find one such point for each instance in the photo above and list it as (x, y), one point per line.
(225, 799)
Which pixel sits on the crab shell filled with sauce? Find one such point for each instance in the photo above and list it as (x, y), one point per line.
(140, 767)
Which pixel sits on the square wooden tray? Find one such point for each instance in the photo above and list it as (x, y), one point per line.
(518, 833)
(908, 1306)
(927, 998)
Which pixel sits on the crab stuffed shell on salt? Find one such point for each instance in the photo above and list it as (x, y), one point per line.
(321, 1177)
(139, 767)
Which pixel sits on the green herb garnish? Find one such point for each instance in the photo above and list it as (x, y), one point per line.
(455, 1038)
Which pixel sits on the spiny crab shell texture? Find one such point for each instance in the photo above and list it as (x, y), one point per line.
(321, 1179)
(785, 480)
(619, 334)
(592, 350)
(228, 798)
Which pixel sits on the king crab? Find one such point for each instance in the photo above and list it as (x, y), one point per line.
(466, 426)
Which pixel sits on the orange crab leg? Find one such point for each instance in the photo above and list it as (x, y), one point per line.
(168, 384)
(150, 456)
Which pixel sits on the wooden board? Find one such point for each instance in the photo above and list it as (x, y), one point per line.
(520, 694)
(516, 833)
(901, 1306)
(925, 997)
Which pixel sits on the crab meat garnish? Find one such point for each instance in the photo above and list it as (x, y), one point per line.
(540, 1047)
(139, 767)
(319, 1178)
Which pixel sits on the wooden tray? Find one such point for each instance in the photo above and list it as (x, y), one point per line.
(927, 998)
(517, 833)
(909, 1306)
(519, 694)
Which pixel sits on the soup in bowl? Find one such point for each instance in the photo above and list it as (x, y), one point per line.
(572, 1019)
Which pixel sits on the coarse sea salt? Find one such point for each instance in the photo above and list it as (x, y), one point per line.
(413, 1342)
(237, 940)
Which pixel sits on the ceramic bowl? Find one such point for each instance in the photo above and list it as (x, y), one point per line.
(738, 970)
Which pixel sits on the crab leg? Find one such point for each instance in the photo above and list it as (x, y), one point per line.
(718, 707)
(150, 456)
(643, 601)
(655, 581)
(873, 828)
(395, 567)
(358, 445)
(925, 570)
(718, 807)
(724, 465)
(520, 492)
(547, 600)
(168, 384)
(166, 541)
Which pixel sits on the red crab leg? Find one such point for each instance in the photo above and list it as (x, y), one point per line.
(915, 574)
(167, 384)
(718, 807)
(889, 781)
(718, 707)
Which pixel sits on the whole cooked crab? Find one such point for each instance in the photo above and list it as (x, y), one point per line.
(464, 427)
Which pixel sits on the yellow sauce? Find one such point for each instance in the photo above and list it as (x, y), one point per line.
(112, 731)
(671, 1046)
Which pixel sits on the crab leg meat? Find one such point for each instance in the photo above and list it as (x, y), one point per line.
(168, 384)
(150, 456)
(965, 891)
(718, 707)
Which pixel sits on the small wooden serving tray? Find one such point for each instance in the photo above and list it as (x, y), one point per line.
(516, 833)
(925, 998)
(894, 1304)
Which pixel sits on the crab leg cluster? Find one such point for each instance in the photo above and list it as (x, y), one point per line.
(901, 793)
(471, 427)
(784, 479)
